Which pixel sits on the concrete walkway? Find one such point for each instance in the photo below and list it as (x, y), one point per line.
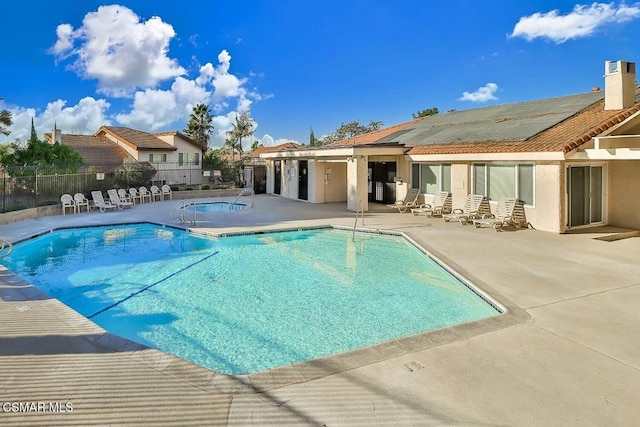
(566, 353)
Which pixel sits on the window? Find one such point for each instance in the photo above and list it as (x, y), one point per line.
(157, 158)
(502, 180)
(185, 159)
(431, 177)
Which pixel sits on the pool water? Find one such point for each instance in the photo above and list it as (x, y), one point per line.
(216, 207)
(247, 303)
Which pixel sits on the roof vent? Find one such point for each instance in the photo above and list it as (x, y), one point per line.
(619, 85)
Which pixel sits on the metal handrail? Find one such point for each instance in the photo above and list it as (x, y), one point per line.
(243, 193)
(359, 210)
(181, 206)
(5, 248)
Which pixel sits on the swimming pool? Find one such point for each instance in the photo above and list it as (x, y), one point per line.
(215, 207)
(247, 303)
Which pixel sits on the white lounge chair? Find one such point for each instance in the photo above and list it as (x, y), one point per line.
(470, 211)
(439, 206)
(156, 194)
(115, 200)
(67, 202)
(124, 195)
(98, 201)
(166, 191)
(144, 194)
(503, 215)
(410, 201)
(134, 195)
(81, 201)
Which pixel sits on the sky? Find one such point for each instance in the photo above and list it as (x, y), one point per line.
(294, 65)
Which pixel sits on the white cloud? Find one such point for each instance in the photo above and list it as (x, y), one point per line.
(85, 118)
(483, 94)
(581, 22)
(116, 48)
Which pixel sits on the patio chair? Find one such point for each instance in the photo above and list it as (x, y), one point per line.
(502, 217)
(410, 201)
(166, 191)
(124, 195)
(439, 206)
(470, 211)
(144, 193)
(98, 201)
(67, 202)
(134, 195)
(81, 201)
(115, 200)
(156, 194)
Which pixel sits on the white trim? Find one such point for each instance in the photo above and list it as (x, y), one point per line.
(524, 157)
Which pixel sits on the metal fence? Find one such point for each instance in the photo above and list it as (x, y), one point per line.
(28, 187)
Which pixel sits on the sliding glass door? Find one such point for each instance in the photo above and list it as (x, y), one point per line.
(585, 192)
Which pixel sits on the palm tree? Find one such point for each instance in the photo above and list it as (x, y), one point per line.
(242, 128)
(199, 127)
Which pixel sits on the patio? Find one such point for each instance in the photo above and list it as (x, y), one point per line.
(565, 354)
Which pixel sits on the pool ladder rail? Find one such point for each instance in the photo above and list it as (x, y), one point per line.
(360, 211)
(245, 192)
(5, 248)
(178, 213)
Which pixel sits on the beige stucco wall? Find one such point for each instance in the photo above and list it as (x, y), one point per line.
(334, 183)
(357, 183)
(460, 184)
(547, 214)
(623, 198)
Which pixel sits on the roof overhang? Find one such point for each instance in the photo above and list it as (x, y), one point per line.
(488, 157)
(335, 153)
(619, 147)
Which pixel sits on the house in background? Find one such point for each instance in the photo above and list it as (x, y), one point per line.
(176, 157)
(572, 161)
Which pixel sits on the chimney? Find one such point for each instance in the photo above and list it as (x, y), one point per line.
(619, 85)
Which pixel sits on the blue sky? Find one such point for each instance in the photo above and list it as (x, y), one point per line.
(296, 65)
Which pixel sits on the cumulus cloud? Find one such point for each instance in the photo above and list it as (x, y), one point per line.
(84, 118)
(119, 50)
(483, 94)
(583, 21)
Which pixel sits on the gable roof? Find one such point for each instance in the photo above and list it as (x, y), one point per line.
(95, 150)
(281, 147)
(135, 138)
(183, 136)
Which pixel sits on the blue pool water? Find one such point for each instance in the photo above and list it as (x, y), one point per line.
(246, 303)
(215, 207)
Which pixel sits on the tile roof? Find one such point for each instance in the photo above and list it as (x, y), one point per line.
(281, 147)
(563, 137)
(136, 139)
(183, 136)
(95, 150)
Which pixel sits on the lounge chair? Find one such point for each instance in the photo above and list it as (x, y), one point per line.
(502, 217)
(166, 191)
(98, 201)
(134, 195)
(437, 207)
(115, 200)
(470, 211)
(124, 195)
(67, 202)
(81, 201)
(410, 201)
(156, 194)
(144, 193)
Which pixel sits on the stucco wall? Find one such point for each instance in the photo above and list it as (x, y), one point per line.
(460, 184)
(335, 186)
(548, 212)
(623, 199)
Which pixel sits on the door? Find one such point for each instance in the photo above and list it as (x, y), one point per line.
(585, 188)
(303, 179)
(277, 176)
(260, 179)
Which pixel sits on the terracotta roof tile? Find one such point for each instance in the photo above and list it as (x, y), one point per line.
(95, 150)
(281, 147)
(135, 138)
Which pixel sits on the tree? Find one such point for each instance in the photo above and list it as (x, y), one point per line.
(5, 122)
(199, 127)
(133, 173)
(242, 128)
(256, 144)
(426, 112)
(351, 129)
(42, 154)
(34, 135)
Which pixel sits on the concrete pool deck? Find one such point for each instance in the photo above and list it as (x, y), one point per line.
(567, 352)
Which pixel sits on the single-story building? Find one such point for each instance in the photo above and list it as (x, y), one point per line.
(176, 157)
(570, 160)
